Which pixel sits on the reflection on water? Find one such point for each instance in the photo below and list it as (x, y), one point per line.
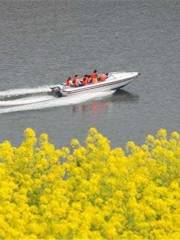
(125, 96)
(102, 105)
(97, 106)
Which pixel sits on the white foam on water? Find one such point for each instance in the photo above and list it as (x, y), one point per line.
(56, 102)
(25, 100)
(24, 91)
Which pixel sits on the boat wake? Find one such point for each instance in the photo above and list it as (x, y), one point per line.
(17, 100)
(25, 101)
(24, 92)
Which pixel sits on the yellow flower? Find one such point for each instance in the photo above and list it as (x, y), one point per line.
(92, 191)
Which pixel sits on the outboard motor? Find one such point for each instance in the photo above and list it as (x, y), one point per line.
(57, 91)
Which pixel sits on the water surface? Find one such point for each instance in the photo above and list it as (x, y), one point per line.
(42, 42)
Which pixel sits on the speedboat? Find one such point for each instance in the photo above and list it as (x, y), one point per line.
(114, 81)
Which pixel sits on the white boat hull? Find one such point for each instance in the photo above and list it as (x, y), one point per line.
(115, 81)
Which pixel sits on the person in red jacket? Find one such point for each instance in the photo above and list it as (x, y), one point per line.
(102, 76)
(76, 81)
(85, 80)
(89, 79)
(94, 76)
(68, 81)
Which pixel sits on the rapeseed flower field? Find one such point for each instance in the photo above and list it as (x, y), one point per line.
(90, 191)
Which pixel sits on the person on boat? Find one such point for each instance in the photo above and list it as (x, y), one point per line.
(68, 81)
(85, 80)
(102, 77)
(71, 84)
(89, 79)
(94, 76)
(81, 82)
(76, 81)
